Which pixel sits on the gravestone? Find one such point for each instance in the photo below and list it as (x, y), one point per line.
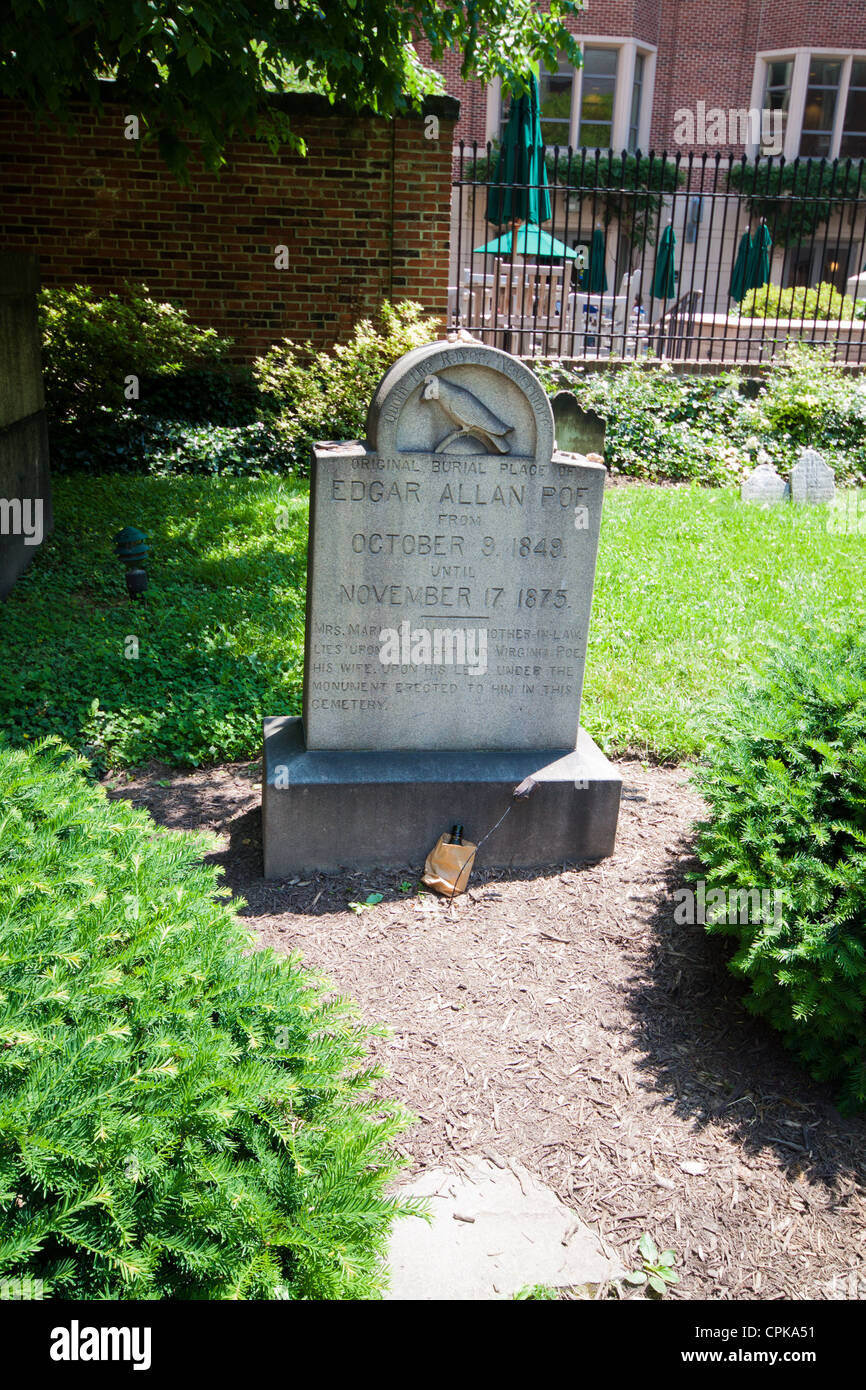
(451, 564)
(763, 484)
(811, 480)
(578, 431)
(751, 387)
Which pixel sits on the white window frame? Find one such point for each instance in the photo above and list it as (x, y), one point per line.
(802, 58)
(627, 50)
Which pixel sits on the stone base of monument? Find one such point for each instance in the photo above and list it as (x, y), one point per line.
(326, 810)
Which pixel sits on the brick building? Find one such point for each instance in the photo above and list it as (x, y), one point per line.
(647, 60)
(707, 84)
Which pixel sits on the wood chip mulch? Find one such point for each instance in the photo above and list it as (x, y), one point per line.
(561, 1018)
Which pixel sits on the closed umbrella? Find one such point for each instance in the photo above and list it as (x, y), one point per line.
(752, 266)
(664, 284)
(519, 192)
(758, 270)
(738, 274)
(596, 279)
(528, 240)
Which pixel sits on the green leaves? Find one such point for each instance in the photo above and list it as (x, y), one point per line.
(817, 189)
(372, 900)
(657, 1270)
(201, 75)
(666, 426)
(180, 1117)
(791, 816)
(771, 301)
(92, 344)
(324, 395)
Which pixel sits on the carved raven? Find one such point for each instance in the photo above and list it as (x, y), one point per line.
(467, 412)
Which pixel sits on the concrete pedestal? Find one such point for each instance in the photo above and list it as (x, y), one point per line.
(327, 810)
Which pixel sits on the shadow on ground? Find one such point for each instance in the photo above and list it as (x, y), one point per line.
(718, 1064)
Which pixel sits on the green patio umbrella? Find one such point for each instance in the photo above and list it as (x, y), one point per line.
(595, 279)
(664, 286)
(519, 191)
(738, 274)
(752, 266)
(758, 269)
(528, 240)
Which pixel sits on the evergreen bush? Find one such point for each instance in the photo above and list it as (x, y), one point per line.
(136, 441)
(181, 1115)
(786, 785)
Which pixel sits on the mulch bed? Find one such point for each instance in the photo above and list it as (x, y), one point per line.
(561, 1018)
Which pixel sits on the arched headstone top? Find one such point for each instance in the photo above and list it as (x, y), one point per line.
(463, 399)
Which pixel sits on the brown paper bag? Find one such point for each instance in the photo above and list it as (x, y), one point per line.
(448, 866)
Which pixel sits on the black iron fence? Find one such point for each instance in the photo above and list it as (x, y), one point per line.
(698, 257)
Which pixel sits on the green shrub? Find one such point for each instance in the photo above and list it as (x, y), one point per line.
(181, 1116)
(325, 395)
(225, 395)
(134, 441)
(798, 302)
(196, 419)
(91, 343)
(810, 400)
(786, 785)
(666, 425)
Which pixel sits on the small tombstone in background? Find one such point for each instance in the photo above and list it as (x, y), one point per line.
(578, 431)
(751, 387)
(812, 480)
(764, 485)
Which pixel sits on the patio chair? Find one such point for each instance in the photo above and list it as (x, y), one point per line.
(622, 341)
(479, 286)
(461, 297)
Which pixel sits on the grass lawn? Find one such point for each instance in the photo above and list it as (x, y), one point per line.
(692, 588)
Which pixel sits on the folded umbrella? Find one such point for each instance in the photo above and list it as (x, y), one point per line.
(738, 274)
(595, 280)
(519, 191)
(752, 266)
(664, 285)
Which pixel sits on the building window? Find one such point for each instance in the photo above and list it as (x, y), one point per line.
(777, 92)
(822, 101)
(819, 116)
(556, 92)
(853, 143)
(636, 96)
(598, 88)
(581, 108)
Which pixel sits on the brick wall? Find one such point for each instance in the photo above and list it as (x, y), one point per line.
(803, 23)
(364, 216)
(706, 53)
(471, 95)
